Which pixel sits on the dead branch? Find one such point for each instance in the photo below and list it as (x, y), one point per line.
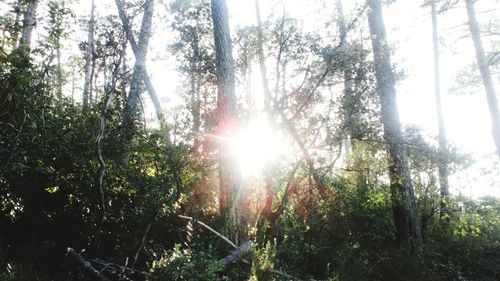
(116, 268)
(143, 241)
(86, 265)
(211, 229)
(237, 253)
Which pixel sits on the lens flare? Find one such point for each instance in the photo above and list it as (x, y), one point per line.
(256, 146)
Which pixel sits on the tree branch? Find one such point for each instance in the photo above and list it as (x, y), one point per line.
(86, 265)
(211, 229)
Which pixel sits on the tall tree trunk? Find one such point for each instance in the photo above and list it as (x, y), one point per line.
(28, 24)
(267, 105)
(443, 161)
(140, 52)
(132, 112)
(17, 26)
(195, 77)
(59, 72)
(232, 212)
(485, 74)
(89, 60)
(349, 97)
(73, 87)
(268, 181)
(262, 63)
(403, 200)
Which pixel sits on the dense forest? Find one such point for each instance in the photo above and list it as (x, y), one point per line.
(271, 149)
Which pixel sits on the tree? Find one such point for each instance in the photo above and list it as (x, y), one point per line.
(140, 49)
(348, 78)
(485, 73)
(10, 25)
(227, 119)
(132, 114)
(443, 162)
(402, 196)
(268, 181)
(194, 50)
(89, 60)
(29, 24)
(56, 33)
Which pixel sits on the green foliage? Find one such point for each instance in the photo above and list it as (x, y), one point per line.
(49, 197)
(185, 264)
(263, 263)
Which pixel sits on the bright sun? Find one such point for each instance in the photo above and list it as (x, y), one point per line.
(257, 145)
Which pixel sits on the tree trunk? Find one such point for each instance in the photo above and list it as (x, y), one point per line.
(262, 63)
(195, 88)
(232, 212)
(132, 112)
(17, 26)
(139, 52)
(59, 73)
(89, 65)
(349, 97)
(28, 24)
(268, 181)
(485, 74)
(403, 201)
(443, 161)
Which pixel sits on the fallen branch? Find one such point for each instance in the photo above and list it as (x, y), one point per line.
(237, 253)
(143, 241)
(211, 229)
(86, 265)
(286, 275)
(118, 269)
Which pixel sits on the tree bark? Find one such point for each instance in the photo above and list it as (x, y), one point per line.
(485, 74)
(262, 64)
(349, 97)
(28, 24)
(132, 111)
(443, 161)
(139, 52)
(59, 73)
(403, 201)
(89, 65)
(195, 78)
(232, 212)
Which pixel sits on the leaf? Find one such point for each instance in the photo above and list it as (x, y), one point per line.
(52, 189)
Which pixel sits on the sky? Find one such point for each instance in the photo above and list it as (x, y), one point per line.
(409, 32)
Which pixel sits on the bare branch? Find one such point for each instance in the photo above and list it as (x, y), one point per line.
(86, 265)
(210, 229)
